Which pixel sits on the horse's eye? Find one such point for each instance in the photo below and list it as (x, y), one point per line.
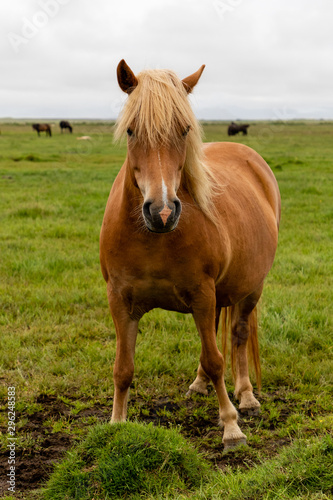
(186, 131)
(129, 132)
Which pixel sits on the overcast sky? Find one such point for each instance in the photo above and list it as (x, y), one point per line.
(264, 58)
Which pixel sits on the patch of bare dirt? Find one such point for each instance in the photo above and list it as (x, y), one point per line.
(35, 461)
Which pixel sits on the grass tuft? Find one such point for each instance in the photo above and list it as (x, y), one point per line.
(124, 460)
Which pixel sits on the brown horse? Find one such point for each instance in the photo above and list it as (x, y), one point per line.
(235, 128)
(188, 227)
(42, 127)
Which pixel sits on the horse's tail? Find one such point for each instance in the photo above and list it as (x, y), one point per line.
(227, 320)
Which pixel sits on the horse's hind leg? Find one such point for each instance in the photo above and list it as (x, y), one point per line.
(201, 381)
(244, 335)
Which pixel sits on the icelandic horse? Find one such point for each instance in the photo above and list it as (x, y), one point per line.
(65, 124)
(188, 227)
(42, 127)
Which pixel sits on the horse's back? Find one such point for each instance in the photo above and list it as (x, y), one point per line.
(243, 173)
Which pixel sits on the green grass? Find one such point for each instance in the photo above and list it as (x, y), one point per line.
(304, 470)
(130, 460)
(136, 461)
(58, 338)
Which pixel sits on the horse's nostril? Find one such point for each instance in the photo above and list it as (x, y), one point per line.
(146, 209)
(178, 207)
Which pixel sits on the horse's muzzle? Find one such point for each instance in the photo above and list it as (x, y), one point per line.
(161, 219)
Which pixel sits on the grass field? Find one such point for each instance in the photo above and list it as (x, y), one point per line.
(58, 340)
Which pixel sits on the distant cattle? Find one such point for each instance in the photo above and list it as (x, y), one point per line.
(42, 127)
(235, 128)
(64, 124)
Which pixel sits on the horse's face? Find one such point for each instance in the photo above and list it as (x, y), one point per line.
(156, 170)
(157, 174)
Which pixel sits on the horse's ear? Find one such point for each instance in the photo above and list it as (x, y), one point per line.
(192, 80)
(126, 78)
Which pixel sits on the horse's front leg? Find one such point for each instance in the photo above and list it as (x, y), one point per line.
(123, 370)
(212, 363)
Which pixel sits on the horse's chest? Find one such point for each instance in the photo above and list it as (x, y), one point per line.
(142, 294)
(149, 276)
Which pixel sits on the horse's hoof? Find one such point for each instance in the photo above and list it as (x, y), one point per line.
(250, 412)
(230, 444)
(191, 391)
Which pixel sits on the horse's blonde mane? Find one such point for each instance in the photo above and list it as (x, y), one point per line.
(159, 112)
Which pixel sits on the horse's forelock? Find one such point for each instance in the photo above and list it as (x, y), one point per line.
(158, 109)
